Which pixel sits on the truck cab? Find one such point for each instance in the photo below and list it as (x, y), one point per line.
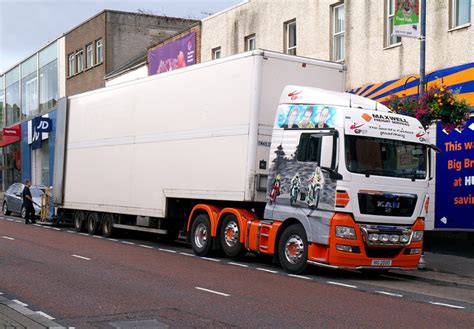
(354, 175)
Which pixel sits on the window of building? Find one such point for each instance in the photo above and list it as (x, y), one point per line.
(290, 37)
(250, 42)
(89, 56)
(216, 53)
(99, 51)
(2, 107)
(80, 61)
(72, 65)
(29, 87)
(48, 77)
(12, 96)
(390, 39)
(460, 13)
(338, 30)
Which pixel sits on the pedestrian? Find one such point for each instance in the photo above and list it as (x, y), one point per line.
(28, 203)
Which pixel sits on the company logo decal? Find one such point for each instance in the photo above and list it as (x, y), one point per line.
(294, 95)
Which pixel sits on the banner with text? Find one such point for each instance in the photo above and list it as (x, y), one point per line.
(174, 55)
(455, 179)
(406, 22)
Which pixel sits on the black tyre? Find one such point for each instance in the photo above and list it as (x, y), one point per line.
(230, 236)
(107, 225)
(93, 223)
(5, 210)
(293, 249)
(23, 212)
(79, 219)
(201, 241)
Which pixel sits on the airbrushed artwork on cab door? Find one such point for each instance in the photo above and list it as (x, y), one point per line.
(296, 178)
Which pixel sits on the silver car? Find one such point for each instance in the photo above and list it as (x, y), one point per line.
(13, 199)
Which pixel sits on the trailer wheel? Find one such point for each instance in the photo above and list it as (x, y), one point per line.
(107, 225)
(230, 236)
(92, 223)
(201, 241)
(79, 221)
(293, 249)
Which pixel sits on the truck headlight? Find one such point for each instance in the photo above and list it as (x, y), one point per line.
(417, 235)
(404, 238)
(345, 232)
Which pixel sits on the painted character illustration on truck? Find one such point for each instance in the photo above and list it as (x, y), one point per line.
(306, 120)
(316, 182)
(295, 188)
(276, 187)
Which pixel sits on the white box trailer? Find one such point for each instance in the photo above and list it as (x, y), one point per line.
(199, 133)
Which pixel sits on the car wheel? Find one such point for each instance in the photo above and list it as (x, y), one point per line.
(79, 221)
(5, 209)
(201, 240)
(107, 225)
(293, 249)
(230, 236)
(92, 223)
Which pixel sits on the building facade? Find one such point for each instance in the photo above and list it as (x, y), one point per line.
(108, 41)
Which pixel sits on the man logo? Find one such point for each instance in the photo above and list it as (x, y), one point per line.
(366, 117)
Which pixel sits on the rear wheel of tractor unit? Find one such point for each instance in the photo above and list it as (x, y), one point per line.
(201, 241)
(293, 249)
(230, 236)
(92, 223)
(79, 218)
(107, 225)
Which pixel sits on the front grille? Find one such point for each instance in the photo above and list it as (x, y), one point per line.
(382, 252)
(387, 204)
(385, 235)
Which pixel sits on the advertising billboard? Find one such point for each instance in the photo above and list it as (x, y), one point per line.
(455, 178)
(406, 22)
(174, 55)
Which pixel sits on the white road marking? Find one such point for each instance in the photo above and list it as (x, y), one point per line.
(265, 270)
(1, 293)
(81, 257)
(389, 294)
(8, 238)
(56, 229)
(299, 276)
(9, 219)
(213, 291)
(237, 264)
(84, 234)
(447, 305)
(37, 225)
(145, 246)
(112, 239)
(211, 259)
(341, 284)
(71, 231)
(127, 242)
(186, 254)
(18, 221)
(167, 250)
(19, 303)
(97, 237)
(47, 316)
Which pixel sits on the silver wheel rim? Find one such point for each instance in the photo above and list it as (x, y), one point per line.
(231, 234)
(77, 222)
(200, 235)
(294, 249)
(23, 212)
(91, 225)
(106, 226)
(5, 208)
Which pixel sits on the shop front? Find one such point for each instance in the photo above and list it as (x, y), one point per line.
(11, 156)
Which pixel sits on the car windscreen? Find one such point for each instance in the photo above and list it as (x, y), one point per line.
(385, 157)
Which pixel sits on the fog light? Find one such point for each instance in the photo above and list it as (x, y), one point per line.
(412, 251)
(394, 238)
(404, 238)
(353, 249)
(373, 237)
(384, 237)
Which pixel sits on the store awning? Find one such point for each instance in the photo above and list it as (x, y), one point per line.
(11, 135)
(458, 78)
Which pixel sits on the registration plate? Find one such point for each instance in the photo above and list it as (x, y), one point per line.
(381, 262)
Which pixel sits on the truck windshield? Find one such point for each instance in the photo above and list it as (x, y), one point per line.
(385, 157)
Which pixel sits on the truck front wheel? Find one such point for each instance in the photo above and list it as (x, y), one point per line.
(230, 236)
(201, 240)
(293, 249)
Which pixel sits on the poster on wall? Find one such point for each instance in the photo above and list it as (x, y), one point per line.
(174, 55)
(406, 22)
(455, 178)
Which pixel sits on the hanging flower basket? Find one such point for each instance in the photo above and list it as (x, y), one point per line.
(437, 104)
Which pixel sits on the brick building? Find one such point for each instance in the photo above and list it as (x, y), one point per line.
(109, 40)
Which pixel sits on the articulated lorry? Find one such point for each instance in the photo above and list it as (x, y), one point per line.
(259, 152)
